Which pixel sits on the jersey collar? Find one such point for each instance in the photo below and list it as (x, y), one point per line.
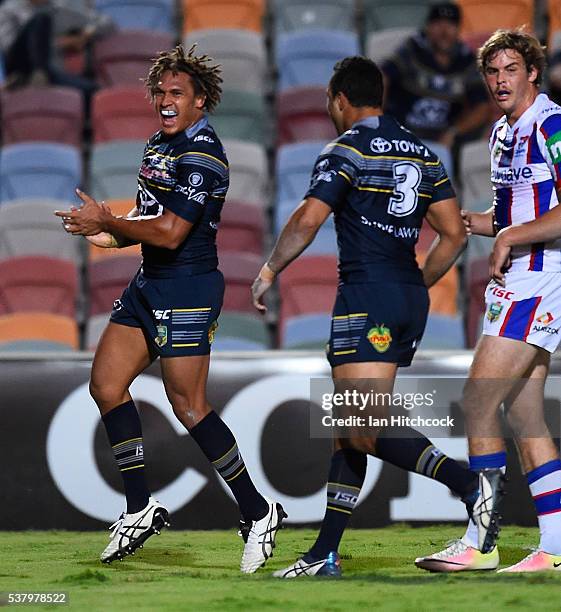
(371, 122)
(200, 125)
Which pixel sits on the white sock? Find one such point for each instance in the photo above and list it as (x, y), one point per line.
(545, 486)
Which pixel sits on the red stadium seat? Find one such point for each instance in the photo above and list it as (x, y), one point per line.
(302, 115)
(444, 293)
(38, 284)
(212, 14)
(478, 277)
(52, 329)
(123, 113)
(107, 279)
(124, 58)
(52, 114)
(242, 228)
(488, 16)
(308, 286)
(240, 270)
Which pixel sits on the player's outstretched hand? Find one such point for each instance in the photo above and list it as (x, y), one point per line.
(499, 260)
(87, 220)
(260, 286)
(466, 218)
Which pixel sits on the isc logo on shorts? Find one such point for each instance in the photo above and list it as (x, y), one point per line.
(161, 315)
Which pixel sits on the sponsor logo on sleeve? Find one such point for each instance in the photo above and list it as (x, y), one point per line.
(553, 144)
(195, 179)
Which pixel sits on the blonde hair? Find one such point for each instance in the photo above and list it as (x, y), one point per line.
(518, 40)
(205, 75)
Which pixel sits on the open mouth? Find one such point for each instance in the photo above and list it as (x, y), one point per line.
(502, 95)
(168, 116)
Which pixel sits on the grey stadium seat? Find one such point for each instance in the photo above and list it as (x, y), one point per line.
(291, 15)
(114, 169)
(475, 172)
(29, 227)
(248, 172)
(240, 52)
(381, 45)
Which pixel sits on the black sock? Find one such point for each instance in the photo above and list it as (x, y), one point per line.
(416, 453)
(219, 445)
(346, 475)
(124, 431)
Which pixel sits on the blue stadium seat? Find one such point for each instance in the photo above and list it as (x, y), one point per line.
(384, 14)
(309, 331)
(155, 15)
(325, 242)
(289, 15)
(46, 170)
(443, 332)
(307, 57)
(293, 169)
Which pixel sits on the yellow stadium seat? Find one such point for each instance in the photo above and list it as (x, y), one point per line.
(489, 15)
(119, 208)
(231, 14)
(38, 326)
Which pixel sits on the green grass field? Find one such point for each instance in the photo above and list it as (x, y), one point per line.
(198, 570)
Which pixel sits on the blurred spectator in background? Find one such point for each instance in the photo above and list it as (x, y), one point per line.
(432, 83)
(30, 41)
(555, 77)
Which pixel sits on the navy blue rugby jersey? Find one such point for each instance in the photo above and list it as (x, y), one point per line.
(379, 179)
(188, 175)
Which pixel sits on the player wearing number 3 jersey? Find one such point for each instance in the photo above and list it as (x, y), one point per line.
(380, 182)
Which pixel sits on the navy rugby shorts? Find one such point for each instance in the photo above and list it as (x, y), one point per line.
(177, 315)
(377, 322)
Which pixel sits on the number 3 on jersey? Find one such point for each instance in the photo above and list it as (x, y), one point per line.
(407, 178)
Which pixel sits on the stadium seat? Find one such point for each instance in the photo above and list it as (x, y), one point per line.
(39, 170)
(289, 15)
(124, 58)
(293, 168)
(29, 227)
(213, 14)
(306, 57)
(478, 278)
(554, 21)
(325, 242)
(114, 169)
(50, 114)
(302, 116)
(475, 174)
(309, 331)
(37, 331)
(444, 154)
(248, 172)
(308, 286)
(382, 44)
(240, 116)
(38, 284)
(385, 14)
(119, 208)
(480, 15)
(123, 113)
(240, 53)
(240, 270)
(152, 15)
(94, 328)
(241, 331)
(242, 228)
(107, 279)
(443, 332)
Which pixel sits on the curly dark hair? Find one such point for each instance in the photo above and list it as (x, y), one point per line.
(205, 75)
(518, 40)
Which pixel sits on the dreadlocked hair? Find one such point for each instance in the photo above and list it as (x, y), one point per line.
(204, 74)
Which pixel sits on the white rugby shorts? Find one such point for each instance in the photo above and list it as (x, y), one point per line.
(528, 308)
